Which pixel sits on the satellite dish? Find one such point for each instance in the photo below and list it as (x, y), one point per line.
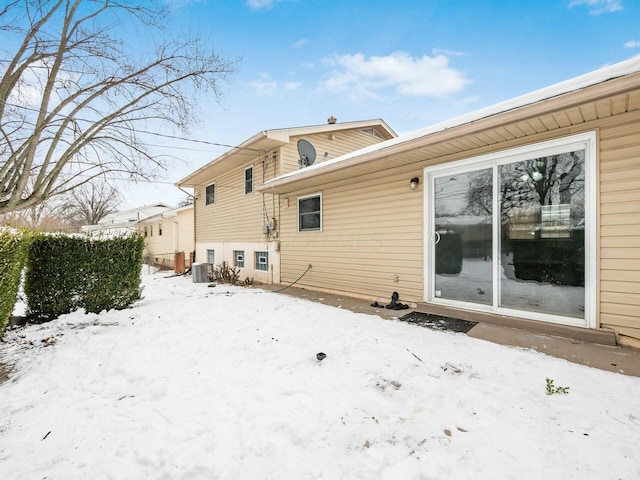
(307, 153)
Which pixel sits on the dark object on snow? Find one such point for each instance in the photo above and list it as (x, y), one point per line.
(377, 305)
(395, 305)
(321, 356)
(438, 322)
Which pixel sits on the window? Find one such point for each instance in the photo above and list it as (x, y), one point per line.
(145, 231)
(159, 229)
(262, 261)
(248, 180)
(210, 194)
(310, 213)
(151, 230)
(238, 258)
(211, 256)
(514, 231)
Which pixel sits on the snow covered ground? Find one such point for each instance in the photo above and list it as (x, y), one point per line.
(223, 383)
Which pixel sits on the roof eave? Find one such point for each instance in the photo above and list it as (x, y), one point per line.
(483, 119)
(281, 137)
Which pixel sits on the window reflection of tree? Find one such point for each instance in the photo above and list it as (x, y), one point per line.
(552, 180)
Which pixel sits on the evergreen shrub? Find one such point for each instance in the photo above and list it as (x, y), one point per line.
(14, 245)
(449, 253)
(65, 273)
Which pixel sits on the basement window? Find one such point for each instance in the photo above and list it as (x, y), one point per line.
(238, 258)
(262, 261)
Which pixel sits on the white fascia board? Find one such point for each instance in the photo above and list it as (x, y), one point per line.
(621, 69)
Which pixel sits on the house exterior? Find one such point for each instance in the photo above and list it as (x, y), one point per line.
(526, 210)
(166, 234)
(121, 223)
(240, 226)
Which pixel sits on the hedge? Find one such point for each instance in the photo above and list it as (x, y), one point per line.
(449, 253)
(65, 273)
(558, 261)
(14, 245)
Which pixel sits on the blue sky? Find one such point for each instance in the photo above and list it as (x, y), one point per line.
(411, 63)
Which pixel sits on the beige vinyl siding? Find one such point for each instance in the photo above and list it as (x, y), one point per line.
(334, 143)
(372, 221)
(159, 248)
(372, 235)
(620, 226)
(177, 236)
(234, 216)
(372, 230)
(184, 235)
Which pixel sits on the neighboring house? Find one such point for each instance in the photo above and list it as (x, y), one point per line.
(240, 226)
(166, 234)
(119, 223)
(526, 210)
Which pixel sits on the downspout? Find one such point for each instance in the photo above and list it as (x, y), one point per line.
(192, 195)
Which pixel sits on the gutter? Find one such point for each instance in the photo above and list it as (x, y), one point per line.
(547, 100)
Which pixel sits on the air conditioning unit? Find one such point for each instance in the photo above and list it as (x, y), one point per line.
(200, 272)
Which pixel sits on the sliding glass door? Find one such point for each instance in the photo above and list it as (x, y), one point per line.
(542, 242)
(512, 233)
(463, 236)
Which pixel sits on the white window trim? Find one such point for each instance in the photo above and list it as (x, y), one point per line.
(585, 141)
(257, 255)
(215, 193)
(236, 254)
(244, 181)
(318, 194)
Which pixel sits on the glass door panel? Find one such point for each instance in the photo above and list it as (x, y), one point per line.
(463, 211)
(542, 234)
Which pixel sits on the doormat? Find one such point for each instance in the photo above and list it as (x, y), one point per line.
(438, 322)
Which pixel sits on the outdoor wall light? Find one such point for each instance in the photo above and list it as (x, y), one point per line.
(414, 183)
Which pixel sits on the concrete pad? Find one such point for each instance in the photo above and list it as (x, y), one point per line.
(574, 345)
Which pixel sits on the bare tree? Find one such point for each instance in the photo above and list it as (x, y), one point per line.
(90, 203)
(43, 216)
(540, 181)
(75, 100)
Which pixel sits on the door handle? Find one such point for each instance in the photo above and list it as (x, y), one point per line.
(437, 238)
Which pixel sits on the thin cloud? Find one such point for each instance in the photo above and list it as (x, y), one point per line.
(632, 44)
(177, 4)
(292, 85)
(265, 86)
(29, 91)
(597, 7)
(448, 53)
(261, 4)
(408, 76)
(301, 43)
